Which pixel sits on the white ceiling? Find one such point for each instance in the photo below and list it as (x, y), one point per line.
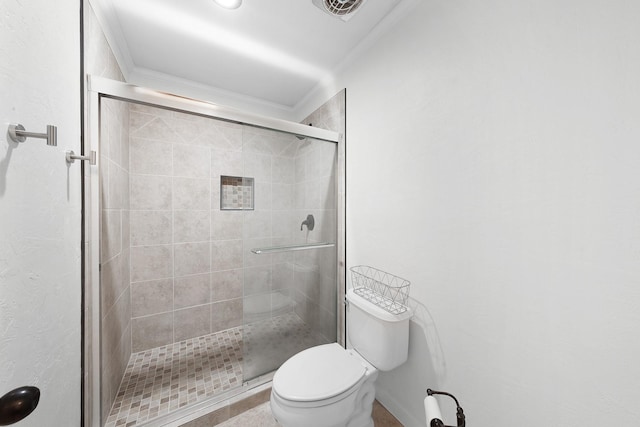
(271, 52)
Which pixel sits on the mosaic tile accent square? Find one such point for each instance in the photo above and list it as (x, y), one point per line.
(236, 193)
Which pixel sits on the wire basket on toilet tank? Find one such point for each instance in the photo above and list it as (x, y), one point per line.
(381, 288)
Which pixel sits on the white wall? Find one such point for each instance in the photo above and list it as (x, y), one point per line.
(40, 224)
(492, 159)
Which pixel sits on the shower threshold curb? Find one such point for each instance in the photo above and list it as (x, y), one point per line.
(224, 407)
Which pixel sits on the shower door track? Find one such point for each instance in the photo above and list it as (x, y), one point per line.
(132, 93)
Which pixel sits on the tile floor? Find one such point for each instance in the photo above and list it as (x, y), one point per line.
(260, 416)
(163, 379)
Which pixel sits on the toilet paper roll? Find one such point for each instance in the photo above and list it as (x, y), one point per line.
(432, 410)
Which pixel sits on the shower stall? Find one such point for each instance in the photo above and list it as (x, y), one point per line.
(216, 247)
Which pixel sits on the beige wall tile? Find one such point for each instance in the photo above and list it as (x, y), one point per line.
(281, 302)
(151, 331)
(262, 196)
(300, 168)
(192, 290)
(191, 193)
(221, 135)
(257, 224)
(138, 119)
(115, 322)
(111, 282)
(111, 235)
(192, 161)
(215, 192)
(151, 192)
(151, 297)
(192, 322)
(253, 260)
(150, 157)
(191, 226)
(192, 258)
(283, 170)
(226, 163)
(151, 228)
(256, 307)
(257, 166)
(286, 224)
(282, 196)
(282, 276)
(226, 255)
(226, 225)
(117, 186)
(126, 229)
(126, 267)
(151, 262)
(226, 285)
(257, 280)
(226, 314)
(156, 129)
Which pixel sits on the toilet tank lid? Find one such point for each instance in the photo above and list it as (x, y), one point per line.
(375, 310)
(318, 373)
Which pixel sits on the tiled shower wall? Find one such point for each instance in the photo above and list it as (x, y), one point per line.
(331, 115)
(314, 270)
(114, 251)
(192, 272)
(174, 259)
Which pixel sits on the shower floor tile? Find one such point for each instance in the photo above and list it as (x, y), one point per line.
(163, 379)
(269, 343)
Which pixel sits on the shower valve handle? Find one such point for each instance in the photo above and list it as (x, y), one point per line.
(310, 222)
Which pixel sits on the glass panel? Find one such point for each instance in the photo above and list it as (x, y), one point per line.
(180, 285)
(289, 301)
(171, 278)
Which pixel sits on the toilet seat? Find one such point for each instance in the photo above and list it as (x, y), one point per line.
(319, 376)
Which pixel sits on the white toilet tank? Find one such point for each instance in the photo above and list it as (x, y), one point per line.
(377, 335)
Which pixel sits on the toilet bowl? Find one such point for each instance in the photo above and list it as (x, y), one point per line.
(330, 386)
(324, 386)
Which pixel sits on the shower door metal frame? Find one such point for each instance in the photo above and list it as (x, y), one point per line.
(132, 93)
(98, 87)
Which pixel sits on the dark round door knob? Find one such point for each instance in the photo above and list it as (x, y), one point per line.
(18, 404)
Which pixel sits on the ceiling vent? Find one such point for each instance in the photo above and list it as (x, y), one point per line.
(343, 9)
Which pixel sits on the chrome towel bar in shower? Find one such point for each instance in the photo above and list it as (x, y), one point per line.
(290, 248)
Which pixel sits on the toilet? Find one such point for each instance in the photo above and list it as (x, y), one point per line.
(330, 386)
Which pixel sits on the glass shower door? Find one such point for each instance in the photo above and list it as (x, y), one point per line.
(289, 235)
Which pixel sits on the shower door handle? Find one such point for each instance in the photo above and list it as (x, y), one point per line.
(72, 157)
(18, 404)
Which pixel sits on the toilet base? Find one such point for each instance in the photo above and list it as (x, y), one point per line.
(362, 415)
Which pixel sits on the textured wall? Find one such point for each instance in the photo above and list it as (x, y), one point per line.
(40, 202)
(492, 158)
